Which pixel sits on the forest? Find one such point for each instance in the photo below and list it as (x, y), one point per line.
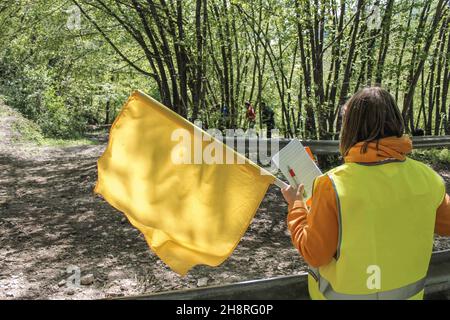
(69, 65)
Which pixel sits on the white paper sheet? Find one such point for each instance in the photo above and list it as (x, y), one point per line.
(295, 157)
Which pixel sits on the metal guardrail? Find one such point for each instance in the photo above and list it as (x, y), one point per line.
(293, 287)
(431, 142)
(321, 147)
(324, 147)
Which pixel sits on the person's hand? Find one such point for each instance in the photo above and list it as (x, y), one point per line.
(292, 194)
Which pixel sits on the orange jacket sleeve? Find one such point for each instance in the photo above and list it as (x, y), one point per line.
(442, 226)
(315, 233)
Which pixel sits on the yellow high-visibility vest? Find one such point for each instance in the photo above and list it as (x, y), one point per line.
(386, 216)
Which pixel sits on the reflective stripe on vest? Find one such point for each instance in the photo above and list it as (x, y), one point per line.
(402, 293)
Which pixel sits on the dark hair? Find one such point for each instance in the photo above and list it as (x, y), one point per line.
(371, 114)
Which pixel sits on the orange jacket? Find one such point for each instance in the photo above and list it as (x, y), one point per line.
(315, 232)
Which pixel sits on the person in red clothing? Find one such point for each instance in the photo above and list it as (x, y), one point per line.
(250, 115)
(372, 140)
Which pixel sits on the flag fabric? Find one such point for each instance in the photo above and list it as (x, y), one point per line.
(190, 212)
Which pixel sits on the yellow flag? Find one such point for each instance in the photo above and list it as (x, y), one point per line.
(177, 186)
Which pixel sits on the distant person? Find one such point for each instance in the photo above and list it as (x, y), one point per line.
(224, 114)
(369, 231)
(250, 115)
(224, 111)
(268, 118)
(418, 132)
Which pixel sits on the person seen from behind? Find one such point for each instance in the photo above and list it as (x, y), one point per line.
(369, 231)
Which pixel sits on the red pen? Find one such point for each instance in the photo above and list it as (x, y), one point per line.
(292, 174)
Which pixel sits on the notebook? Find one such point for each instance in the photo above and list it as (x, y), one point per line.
(297, 166)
